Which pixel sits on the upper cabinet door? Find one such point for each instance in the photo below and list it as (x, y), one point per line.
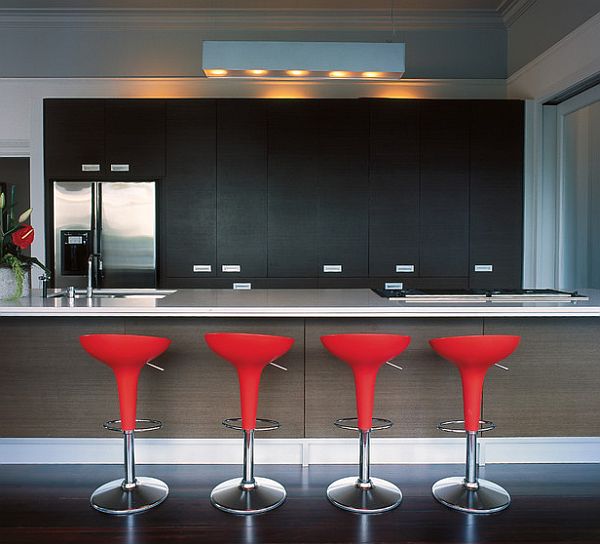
(444, 217)
(293, 191)
(188, 190)
(74, 139)
(135, 138)
(496, 226)
(242, 188)
(394, 188)
(343, 185)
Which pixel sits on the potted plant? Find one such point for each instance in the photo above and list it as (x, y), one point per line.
(15, 237)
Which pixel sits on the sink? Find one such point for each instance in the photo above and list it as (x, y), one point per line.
(118, 293)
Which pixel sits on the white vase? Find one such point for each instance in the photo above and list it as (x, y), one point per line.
(8, 283)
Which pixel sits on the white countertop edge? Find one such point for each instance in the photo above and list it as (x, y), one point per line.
(303, 312)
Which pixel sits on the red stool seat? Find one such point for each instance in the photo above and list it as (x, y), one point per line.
(365, 353)
(250, 354)
(473, 355)
(126, 354)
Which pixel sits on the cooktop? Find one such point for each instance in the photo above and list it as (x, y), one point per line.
(482, 295)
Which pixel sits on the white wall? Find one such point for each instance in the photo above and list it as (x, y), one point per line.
(168, 43)
(542, 25)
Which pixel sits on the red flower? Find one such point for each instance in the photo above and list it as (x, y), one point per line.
(23, 237)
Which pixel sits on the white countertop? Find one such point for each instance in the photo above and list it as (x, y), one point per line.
(290, 303)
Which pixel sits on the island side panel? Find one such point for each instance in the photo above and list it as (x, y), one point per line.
(416, 399)
(198, 389)
(553, 385)
(49, 386)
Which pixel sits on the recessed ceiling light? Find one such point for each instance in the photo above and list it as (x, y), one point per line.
(338, 73)
(216, 72)
(297, 73)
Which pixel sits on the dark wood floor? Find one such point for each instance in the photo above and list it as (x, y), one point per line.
(551, 503)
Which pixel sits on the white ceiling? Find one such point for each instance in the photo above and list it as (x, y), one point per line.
(437, 5)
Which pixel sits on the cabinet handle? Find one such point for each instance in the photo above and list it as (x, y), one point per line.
(242, 286)
(202, 268)
(394, 285)
(231, 268)
(119, 168)
(90, 168)
(332, 268)
(483, 268)
(405, 268)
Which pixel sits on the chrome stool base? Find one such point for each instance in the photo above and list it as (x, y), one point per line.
(113, 498)
(230, 496)
(486, 499)
(380, 496)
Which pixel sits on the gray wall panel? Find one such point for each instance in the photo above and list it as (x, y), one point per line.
(554, 378)
(426, 392)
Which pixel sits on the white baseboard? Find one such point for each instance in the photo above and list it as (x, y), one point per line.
(304, 451)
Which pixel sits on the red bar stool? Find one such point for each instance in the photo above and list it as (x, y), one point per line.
(365, 353)
(473, 355)
(249, 353)
(126, 355)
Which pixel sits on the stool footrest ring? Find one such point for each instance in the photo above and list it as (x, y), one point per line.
(152, 425)
(484, 426)
(271, 424)
(381, 424)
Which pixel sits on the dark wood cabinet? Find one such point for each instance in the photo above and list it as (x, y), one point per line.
(188, 191)
(327, 192)
(293, 189)
(241, 188)
(343, 188)
(444, 209)
(394, 189)
(104, 139)
(74, 139)
(496, 211)
(135, 138)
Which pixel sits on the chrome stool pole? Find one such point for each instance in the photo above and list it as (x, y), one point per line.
(470, 494)
(132, 494)
(250, 494)
(364, 495)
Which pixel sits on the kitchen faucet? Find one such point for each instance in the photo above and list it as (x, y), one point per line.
(90, 273)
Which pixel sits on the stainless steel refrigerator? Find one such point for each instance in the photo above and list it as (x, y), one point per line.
(114, 220)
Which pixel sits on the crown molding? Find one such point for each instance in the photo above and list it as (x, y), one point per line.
(248, 19)
(511, 10)
(14, 148)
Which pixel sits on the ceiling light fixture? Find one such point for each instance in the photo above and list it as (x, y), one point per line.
(307, 60)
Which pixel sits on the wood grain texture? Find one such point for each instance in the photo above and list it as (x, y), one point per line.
(444, 199)
(73, 135)
(242, 187)
(416, 399)
(49, 386)
(198, 389)
(49, 504)
(135, 135)
(188, 204)
(553, 383)
(496, 192)
(394, 184)
(293, 189)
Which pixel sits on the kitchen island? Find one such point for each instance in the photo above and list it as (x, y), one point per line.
(551, 389)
